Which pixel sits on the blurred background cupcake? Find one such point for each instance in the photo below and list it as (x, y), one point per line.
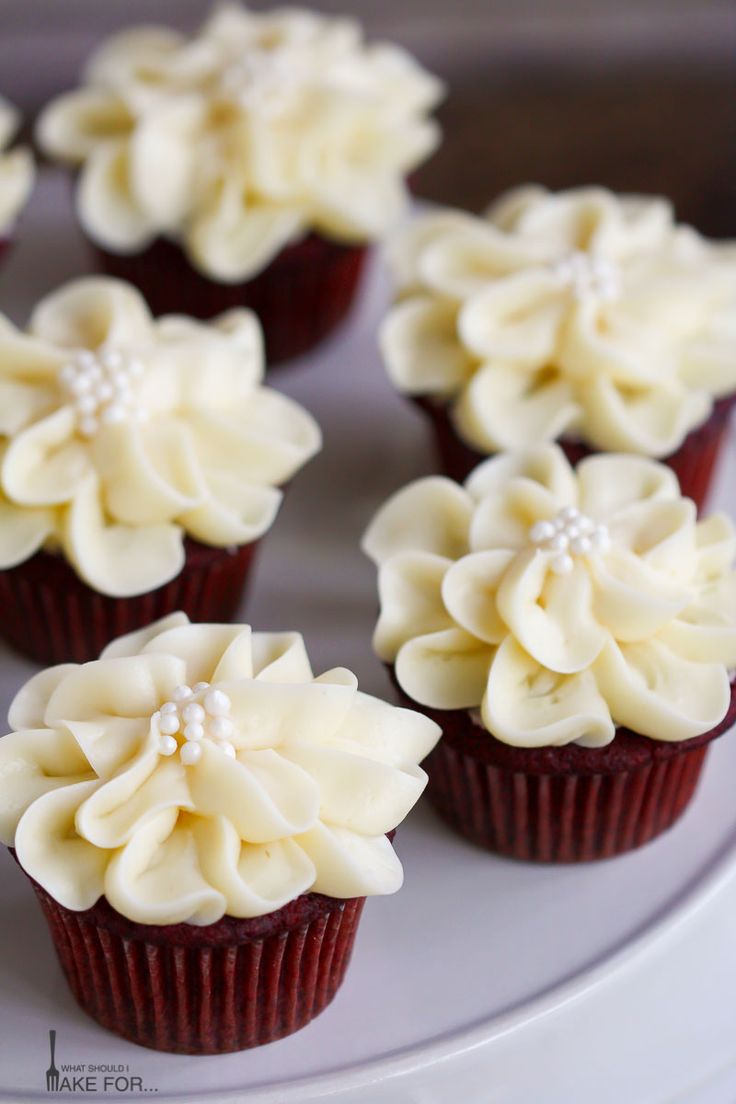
(573, 631)
(578, 316)
(231, 813)
(140, 461)
(16, 174)
(248, 164)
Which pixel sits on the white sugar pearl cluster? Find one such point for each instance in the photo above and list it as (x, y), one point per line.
(569, 534)
(102, 387)
(588, 276)
(262, 79)
(195, 713)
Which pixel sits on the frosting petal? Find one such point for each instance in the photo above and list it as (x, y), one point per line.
(420, 347)
(528, 705)
(410, 588)
(119, 560)
(650, 687)
(444, 670)
(431, 515)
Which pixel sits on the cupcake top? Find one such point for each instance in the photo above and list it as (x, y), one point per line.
(559, 602)
(195, 771)
(580, 313)
(16, 170)
(239, 139)
(121, 433)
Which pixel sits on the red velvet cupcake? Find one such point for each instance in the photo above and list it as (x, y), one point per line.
(140, 465)
(16, 175)
(573, 632)
(581, 317)
(250, 164)
(231, 813)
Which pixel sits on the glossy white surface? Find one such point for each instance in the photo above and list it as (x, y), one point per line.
(483, 980)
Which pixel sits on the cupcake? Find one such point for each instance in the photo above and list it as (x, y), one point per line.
(16, 175)
(573, 631)
(140, 462)
(249, 164)
(202, 819)
(579, 316)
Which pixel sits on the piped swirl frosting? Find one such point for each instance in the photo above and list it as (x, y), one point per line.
(290, 786)
(559, 602)
(16, 170)
(579, 313)
(240, 139)
(120, 434)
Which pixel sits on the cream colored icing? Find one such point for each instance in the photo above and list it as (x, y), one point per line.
(562, 602)
(242, 138)
(16, 170)
(579, 313)
(295, 782)
(121, 433)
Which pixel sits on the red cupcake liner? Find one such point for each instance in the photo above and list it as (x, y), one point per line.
(304, 293)
(228, 986)
(693, 463)
(561, 805)
(52, 616)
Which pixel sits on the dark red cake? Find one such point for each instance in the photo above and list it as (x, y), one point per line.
(299, 298)
(206, 990)
(53, 616)
(561, 804)
(693, 463)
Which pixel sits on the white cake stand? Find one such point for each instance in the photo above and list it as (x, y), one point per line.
(483, 981)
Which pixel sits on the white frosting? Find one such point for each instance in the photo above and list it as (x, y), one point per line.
(120, 434)
(242, 138)
(16, 170)
(561, 602)
(578, 313)
(298, 797)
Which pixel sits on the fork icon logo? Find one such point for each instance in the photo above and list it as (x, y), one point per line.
(52, 1074)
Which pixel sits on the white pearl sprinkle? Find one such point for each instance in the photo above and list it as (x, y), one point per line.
(216, 703)
(86, 404)
(113, 414)
(221, 728)
(88, 426)
(581, 546)
(183, 716)
(100, 385)
(190, 754)
(193, 713)
(168, 724)
(541, 531)
(569, 534)
(562, 564)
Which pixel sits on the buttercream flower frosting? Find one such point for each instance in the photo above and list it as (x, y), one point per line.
(121, 434)
(557, 603)
(580, 314)
(16, 170)
(197, 770)
(241, 138)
